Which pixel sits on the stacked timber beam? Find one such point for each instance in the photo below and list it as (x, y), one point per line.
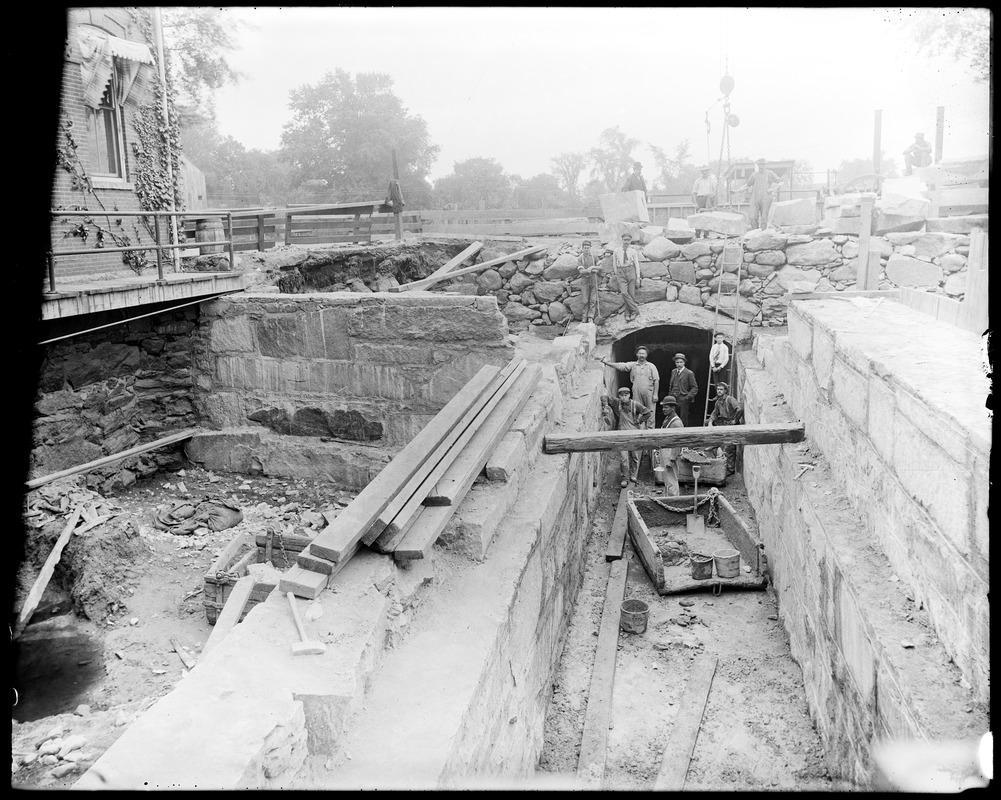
(674, 437)
(446, 272)
(406, 506)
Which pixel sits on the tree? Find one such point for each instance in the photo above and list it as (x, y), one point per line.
(612, 159)
(568, 168)
(474, 183)
(344, 129)
(199, 40)
(676, 174)
(540, 191)
(962, 33)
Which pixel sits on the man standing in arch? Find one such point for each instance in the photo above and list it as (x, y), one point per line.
(683, 386)
(643, 376)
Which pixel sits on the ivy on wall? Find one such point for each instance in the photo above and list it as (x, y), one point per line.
(155, 166)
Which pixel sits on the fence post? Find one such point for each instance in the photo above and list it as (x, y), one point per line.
(229, 236)
(864, 231)
(260, 232)
(288, 227)
(159, 253)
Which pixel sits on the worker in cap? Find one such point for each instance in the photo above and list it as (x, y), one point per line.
(590, 271)
(635, 182)
(918, 154)
(644, 377)
(727, 410)
(626, 266)
(630, 415)
(668, 456)
(704, 193)
(760, 184)
(683, 386)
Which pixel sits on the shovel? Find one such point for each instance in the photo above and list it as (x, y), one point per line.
(694, 522)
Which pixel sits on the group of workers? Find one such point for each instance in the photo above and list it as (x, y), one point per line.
(634, 408)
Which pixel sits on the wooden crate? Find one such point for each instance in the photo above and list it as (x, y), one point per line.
(713, 472)
(293, 546)
(226, 570)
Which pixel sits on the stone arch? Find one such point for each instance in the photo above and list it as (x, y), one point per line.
(665, 329)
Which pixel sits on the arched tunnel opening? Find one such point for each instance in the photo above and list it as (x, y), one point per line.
(662, 343)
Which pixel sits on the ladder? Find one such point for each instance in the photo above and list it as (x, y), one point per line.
(733, 256)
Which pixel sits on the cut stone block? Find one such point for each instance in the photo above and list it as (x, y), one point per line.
(933, 245)
(908, 271)
(649, 233)
(956, 224)
(624, 207)
(678, 229)
(723, 222)
(509, 455)
(727, 303)
(610, 233)
(817, 252)
(891, 223)
(903, 197)
(802, 211)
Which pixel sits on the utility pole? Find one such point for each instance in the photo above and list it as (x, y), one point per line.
(877, 131)
(939, 132)
(158, 31)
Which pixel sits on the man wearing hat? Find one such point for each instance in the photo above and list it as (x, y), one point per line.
(683, 386)
(719, 357)
(760, 183)
(918, 154)
(629, 416)
(704, 190)
(727, 411)
(590, 271)
(643, 376)
(635, 182)
(626, 263)
(669, 455)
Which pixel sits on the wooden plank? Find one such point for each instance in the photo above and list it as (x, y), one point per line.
(591, 762)
(173, 438)
(452, 263)
(617, 538)
(742, 583)
(308, 560)
(303, 583)
(697, 438)
(460, 476)
(685, 730)
(889, 294)
(416, 489)
(350, 238)
(187, 660)
(34, 596)
(231, 612)
(424, 283)
(357, 517)
(646, 548)
(427, 526)
(399, 523)
(290, 541)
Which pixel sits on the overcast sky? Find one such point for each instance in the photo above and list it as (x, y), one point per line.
(522, 85)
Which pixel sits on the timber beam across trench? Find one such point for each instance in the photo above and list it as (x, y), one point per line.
(674, 437)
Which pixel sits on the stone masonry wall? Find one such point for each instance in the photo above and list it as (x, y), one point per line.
(300, 383)
(545, 288)
(876, 664)
(103, 392)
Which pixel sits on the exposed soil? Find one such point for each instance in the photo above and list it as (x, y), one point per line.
(134, 589)
(756, 732)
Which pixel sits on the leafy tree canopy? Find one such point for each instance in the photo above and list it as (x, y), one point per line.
(964, 34)
(612, 159)
(475, 183)
(199, 40)
(344, 129)
(568, 167)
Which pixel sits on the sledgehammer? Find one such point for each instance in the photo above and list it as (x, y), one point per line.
(305, 647)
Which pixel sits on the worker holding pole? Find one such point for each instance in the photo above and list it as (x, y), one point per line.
(589, 270)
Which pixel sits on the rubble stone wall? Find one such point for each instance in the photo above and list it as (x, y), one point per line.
(547, 290)
(293, 381)
(103, 392)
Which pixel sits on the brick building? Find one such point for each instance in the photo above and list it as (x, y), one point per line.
(109, 74)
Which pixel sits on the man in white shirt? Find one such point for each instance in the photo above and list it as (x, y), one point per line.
(704, 190)
(719, 357)
(626, 264)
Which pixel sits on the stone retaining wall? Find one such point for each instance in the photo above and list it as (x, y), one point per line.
(878, 552)
(331, 385)
(103, 392)
(809, 258)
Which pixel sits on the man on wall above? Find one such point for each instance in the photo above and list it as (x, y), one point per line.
(635, 182)
(626, 264)
(590, 271)
(761, 183)
(917, 155)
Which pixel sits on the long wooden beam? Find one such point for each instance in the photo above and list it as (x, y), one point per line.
(38, 587)
(180, 436)
(452, 263)
(685, 729)
(424, 283)
(674, 437)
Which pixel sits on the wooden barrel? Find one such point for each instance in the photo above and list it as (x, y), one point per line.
(210, 229)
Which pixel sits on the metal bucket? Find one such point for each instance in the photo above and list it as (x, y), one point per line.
(634, 616)
(727, 563)
(702, 566)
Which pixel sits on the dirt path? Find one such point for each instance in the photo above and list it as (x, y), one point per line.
(756, 733)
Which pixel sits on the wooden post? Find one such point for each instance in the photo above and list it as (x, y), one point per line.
(260, 232)
(877, 132)
(974, 308)
(397, 213)
(695, 437)
(864, 232)
(870, 278)
(939, 132)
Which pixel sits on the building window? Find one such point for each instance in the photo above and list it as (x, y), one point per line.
(106, 133)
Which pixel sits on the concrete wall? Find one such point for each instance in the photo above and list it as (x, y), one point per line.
(879, 553)
(331, 385)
